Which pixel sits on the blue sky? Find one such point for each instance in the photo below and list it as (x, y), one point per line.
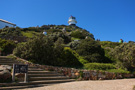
(108, 20)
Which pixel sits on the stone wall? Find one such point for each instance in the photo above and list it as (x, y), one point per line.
(81, 74)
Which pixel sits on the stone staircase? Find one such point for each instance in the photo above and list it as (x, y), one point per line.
(36, 77)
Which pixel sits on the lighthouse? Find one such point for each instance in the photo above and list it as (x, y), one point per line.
(72, 21)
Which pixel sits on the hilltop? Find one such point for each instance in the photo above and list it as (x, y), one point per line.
(22, 34)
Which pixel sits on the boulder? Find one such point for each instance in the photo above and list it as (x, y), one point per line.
(5, 67)
(5, 73)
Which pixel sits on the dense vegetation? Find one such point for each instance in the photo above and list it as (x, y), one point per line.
(81, 34)
(124, 56)
(6, 46)
(97, 66)
(43, 50)
(69, 47)
(91, 50)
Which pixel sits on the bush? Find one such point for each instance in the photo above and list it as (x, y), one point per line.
(6, 46)
(81, 34)
(118, 71)
(43, 50)
(30, 34)
(125, 56)
(74, 44)
(56, 35)
(109, 44)
(91, 51)
(69, 59)
(39, 49)
(99, 66)
(80, 58)
(8, 32)
(46, 27)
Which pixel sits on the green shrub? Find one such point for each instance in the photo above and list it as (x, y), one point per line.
(39, 49)
(54, 36)
(82, 60)
(74, 39)
(6, 46)
(69, 59)
(43, 50)
(99, 66)
(78, 34)
(8, 32)
(109, 44)
(108, 47)
(81, 34)
(118, 71)
(125, 56)
(92, 51)
(74, 44)
(30, 34)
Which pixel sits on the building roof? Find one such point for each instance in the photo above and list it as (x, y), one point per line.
(71, 17)
(7, 22)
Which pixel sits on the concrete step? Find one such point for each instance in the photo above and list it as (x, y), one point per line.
(41, 72)
(36, 76)
(7, 61)
(23, 87)
(4, 58)
(6, 64)
(52, 81)
(10, 64)
(35, 69)
(44, 75)
(47, 78)
(35, 82)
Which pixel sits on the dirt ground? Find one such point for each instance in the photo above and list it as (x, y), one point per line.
(119, 84)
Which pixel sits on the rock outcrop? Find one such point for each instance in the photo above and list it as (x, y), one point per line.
(5, 73)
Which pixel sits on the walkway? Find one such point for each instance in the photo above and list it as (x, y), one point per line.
(120, 84)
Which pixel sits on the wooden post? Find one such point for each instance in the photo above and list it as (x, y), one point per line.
(13, 73)
(26, 78)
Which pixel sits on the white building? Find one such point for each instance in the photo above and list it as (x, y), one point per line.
(72, 21)
(4, 23)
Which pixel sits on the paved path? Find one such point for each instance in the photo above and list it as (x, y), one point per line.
(119, 84)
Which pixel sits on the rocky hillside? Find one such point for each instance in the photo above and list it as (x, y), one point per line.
(22, 34)
(61, 45)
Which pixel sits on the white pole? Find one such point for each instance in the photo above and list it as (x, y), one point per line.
(13, 73)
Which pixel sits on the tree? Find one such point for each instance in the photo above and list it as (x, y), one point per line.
(43, 50)
(125, 56)
(40, 49)
(57, 35)
(91, 51)
(6, 46)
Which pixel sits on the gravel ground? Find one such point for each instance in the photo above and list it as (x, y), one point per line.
(119, 84)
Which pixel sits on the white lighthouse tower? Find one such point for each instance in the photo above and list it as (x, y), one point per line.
(72, 21)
